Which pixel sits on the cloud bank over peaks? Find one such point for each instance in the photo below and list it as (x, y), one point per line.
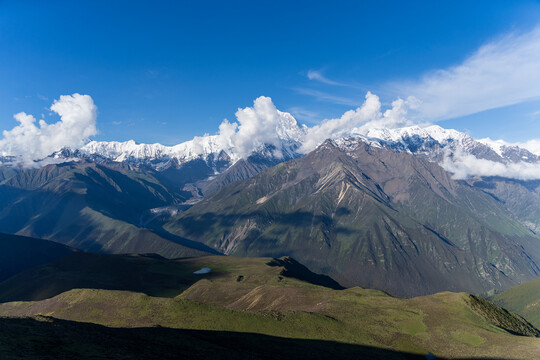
(265, 124)
(261, 125)
(463, 166)
(359, 121)
(29, 141)
(531, 145)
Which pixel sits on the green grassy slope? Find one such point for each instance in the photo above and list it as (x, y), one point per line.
(255, 295)
(523, 299)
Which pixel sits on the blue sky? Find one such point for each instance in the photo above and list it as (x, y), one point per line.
(167, 71)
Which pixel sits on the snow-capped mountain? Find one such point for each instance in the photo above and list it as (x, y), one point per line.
(436, 143)
(209, 148)
(283, 136)
(432, 141)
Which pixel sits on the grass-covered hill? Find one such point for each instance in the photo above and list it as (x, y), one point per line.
(152, 275)
(271, 302)
(523, 299)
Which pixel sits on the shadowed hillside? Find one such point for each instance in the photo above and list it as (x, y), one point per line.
(151, 274)
(94, 207)
(18, 253)
(47, 338)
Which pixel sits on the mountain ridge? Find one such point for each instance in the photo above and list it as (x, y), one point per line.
(340, 207)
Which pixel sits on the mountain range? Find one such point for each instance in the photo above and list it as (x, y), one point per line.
(380, 208)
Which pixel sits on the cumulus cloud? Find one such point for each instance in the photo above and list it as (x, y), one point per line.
(463, 166)
(29, 141)
(255, 127)
(501, 73)
(359, 121)
(261, 124)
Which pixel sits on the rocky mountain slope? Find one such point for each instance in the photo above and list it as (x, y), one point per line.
(367, 215)
(358, 213)
(439, 145)
(91, 207)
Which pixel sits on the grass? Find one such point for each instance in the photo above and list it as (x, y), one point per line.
(47, 338)
(467, 338)
(271, 297)
(523, 299)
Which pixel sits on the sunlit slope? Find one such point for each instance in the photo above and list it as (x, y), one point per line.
(279, 297)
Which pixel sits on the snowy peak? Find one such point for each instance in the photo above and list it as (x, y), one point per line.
(273, 135)
(434, 132)
(288, 129)
(130, 150)
(433, 141)
(440, 144)
(288, 132)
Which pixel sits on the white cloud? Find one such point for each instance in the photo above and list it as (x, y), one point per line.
(463, 166)
(359, 121)
(318, 76)
(256, 126)
(531, 145)
(501, 73)
(29, 141)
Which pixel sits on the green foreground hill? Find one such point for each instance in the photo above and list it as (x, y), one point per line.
(276, 300)
(523, 299)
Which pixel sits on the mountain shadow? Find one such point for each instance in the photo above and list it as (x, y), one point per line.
(49, 338)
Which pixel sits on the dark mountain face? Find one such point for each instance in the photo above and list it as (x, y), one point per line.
(369, 216)
(20, 253)
(91, 207)
(100, 205)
